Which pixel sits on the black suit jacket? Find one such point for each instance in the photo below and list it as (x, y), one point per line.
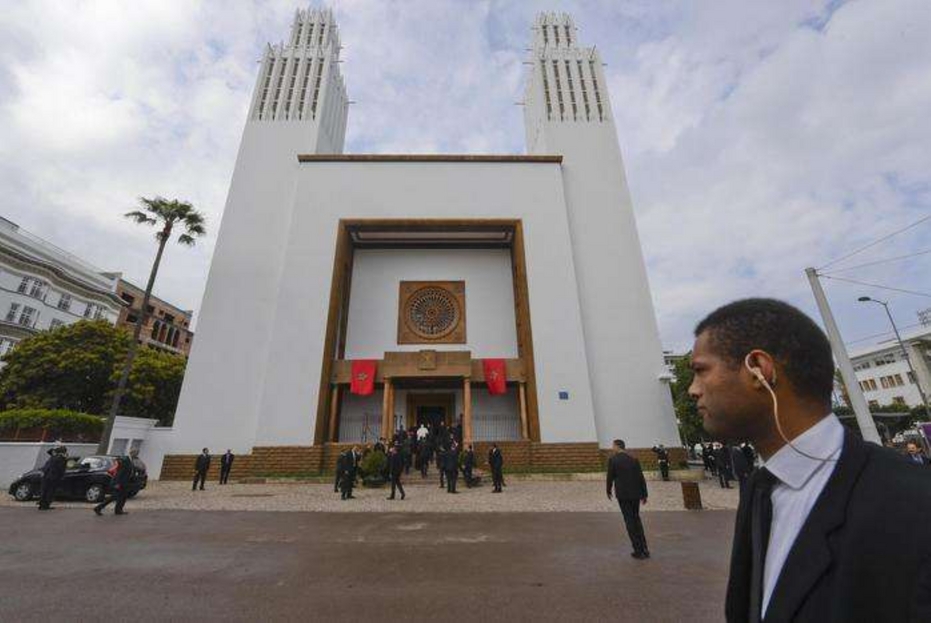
(626, 477)
(227, 460)
(863, 554)
(203, 463)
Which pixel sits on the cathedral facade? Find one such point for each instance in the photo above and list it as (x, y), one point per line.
(353, 294)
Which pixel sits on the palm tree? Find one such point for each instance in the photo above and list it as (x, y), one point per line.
(167, 214)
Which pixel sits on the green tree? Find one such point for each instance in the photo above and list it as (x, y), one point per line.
(154, 385)
(166, 215)
(690, 421)
(68, 368)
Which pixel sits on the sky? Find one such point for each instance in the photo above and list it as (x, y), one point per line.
(759, 138)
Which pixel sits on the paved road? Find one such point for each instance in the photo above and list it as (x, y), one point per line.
(250, 566)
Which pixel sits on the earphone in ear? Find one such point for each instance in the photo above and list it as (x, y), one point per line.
(758, 374)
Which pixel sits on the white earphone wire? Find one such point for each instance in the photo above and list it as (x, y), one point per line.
(759, 376)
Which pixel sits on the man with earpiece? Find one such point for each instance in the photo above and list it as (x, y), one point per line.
(829, 528)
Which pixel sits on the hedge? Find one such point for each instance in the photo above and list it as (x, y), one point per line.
(57, 420)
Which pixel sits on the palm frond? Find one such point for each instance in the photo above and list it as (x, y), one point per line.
(186, 240)
(140, 217)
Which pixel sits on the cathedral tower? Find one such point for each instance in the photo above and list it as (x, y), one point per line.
(568, 112)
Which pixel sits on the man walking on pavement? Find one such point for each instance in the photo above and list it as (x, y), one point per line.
(395, 468)
(625, 477)
(119, 486)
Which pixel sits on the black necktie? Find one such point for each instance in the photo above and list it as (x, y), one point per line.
(760, 519)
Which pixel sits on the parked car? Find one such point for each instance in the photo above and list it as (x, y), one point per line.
(85, 479)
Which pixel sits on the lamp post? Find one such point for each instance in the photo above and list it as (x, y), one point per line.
(895, 329)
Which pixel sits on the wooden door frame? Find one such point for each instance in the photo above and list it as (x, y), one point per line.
(415, 399)
(338, 314)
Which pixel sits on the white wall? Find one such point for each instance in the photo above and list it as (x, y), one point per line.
(376, 275)
(18, 457)
(328, 191)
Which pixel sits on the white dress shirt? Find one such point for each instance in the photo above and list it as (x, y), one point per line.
(800, 482)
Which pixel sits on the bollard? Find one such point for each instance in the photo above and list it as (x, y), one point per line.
(691, 496)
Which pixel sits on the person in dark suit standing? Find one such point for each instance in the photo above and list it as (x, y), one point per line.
(52, 473)
(625, 477)
(425, 455)
(829, 527)
(200, 469)
(914, 455)
(468, 463)
(662, 459)
(395, 469)
(118, 490)
(496, 465)
(722, 460)
(226, 464)
(451, 467)
(741, 466)
(441, 464)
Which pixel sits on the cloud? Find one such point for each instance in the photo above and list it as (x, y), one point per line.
(759, 138)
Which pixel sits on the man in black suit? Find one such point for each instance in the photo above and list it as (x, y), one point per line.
(52, 474)
(451, 467)
(395, 468)
(200, 469)
(625, 477)
(226, 464)
(441, 464)
(119, 486)
(468, 463)
(914, 455)
(722, 460)
(829, 528)
(662, 459)
(496, 465)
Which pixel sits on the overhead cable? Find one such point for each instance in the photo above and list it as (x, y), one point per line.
(875, 242)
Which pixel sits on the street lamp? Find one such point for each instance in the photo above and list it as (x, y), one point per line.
(885, 304)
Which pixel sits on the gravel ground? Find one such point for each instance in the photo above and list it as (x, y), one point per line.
(518, 496)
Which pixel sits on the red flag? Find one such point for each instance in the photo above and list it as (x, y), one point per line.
(363, 376)
(495, 377)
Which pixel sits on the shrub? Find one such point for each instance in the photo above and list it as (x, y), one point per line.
(58, 422)
(373, 464)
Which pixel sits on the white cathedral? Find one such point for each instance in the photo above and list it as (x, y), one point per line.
(429, 269)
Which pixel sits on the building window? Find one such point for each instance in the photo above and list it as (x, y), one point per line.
(872, 383)
(64, 303)
(28, 317)
(873, 404)
(588, 116)
(591, 66)
(11, 315)
(898, 380)
(129, 298)
(562, 107)
(898, 400)
(89, 310)
(5, 345)
(55, 324)
(23, 285)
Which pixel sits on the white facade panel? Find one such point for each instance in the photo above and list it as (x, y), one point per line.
(489, 293)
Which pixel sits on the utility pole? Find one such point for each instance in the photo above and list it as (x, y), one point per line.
(858, 402)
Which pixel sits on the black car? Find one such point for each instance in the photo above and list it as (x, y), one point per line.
(85, 479)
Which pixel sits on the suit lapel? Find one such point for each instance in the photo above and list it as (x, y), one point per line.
(811, 554)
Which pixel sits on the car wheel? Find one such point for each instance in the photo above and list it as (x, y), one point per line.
(23, 492)
(94, 493)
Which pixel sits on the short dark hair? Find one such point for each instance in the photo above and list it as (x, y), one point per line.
(620, 443)
(791, 337)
